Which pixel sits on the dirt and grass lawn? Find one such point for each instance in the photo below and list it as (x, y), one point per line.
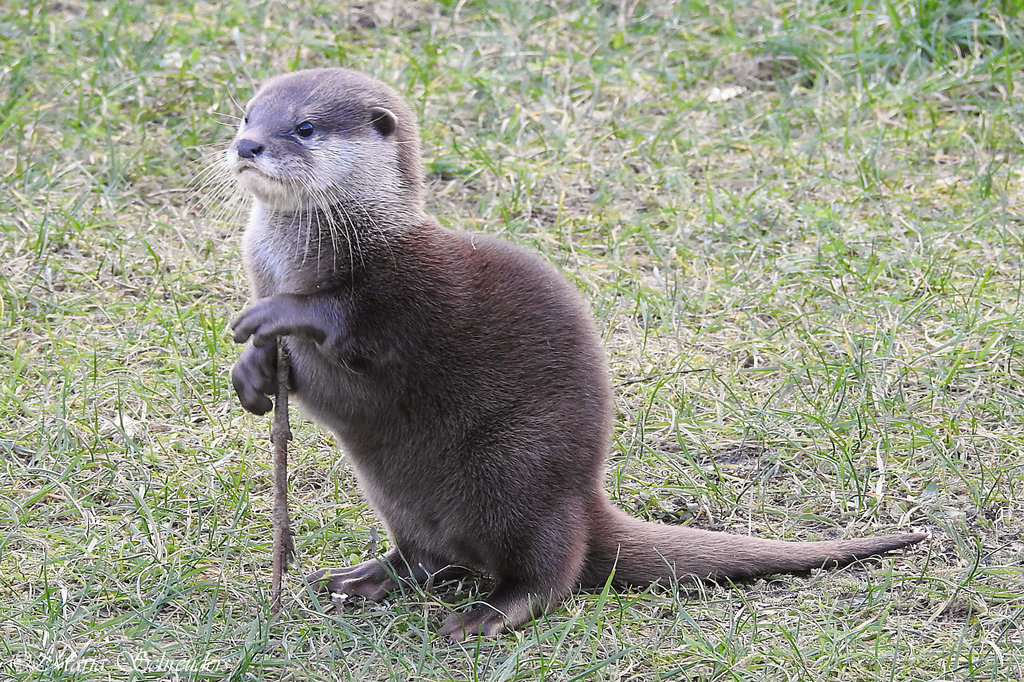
(800, 228)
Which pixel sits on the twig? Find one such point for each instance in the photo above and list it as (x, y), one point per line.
(280, 434)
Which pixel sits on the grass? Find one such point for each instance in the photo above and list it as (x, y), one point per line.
(799, 225)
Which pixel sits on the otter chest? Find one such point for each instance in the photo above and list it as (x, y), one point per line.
(276, 260)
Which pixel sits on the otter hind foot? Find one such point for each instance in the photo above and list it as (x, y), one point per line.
(481, 620)
(507, 607)
(371, 580)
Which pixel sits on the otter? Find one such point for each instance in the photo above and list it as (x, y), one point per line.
(462, 375)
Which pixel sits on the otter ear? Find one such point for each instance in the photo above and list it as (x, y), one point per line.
(383, 120)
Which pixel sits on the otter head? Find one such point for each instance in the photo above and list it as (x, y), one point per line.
(331, 140)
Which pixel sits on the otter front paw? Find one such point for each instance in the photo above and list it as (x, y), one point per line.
(254, 377)
(286, 315)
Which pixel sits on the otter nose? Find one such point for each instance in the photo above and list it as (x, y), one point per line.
(248, 149)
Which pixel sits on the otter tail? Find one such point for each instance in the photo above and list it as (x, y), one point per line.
(640, 552)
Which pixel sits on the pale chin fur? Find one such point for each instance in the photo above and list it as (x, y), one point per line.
(252, 176)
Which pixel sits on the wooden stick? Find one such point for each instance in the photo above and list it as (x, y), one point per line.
(280, 434)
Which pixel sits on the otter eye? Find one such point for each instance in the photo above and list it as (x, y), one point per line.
(304, 129)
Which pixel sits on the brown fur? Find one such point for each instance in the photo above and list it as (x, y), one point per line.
(462, 375)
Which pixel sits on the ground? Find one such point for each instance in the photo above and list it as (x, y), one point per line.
(799, 227)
